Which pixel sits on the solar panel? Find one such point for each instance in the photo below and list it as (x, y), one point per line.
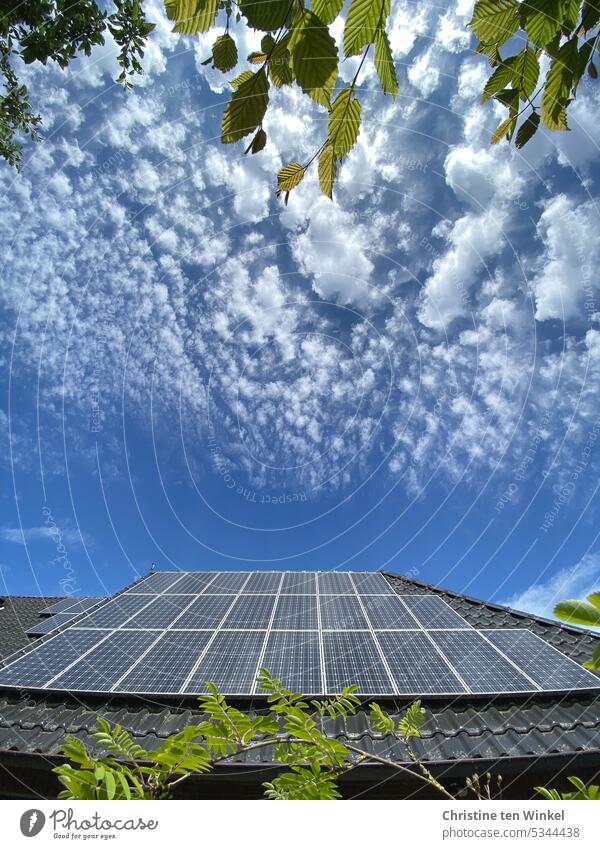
(341, 612)
(102, 667)
(227, 582)
(296, 611)
(230, 662)
(370, 583)
(335, 582)
(181, 631)
(416, 665)
(352, 657)
(73, 604)
(47, 659)
(46, 626)
(263, 582)
(546, 665)
(299, 583)
(481, 667)
(294, 658)
(205, 612)
(195, 583)
(116, 612)
(388, 611)
(433, 612)
(161, 612)
(252, 611)
(156, 582)
(166, 666)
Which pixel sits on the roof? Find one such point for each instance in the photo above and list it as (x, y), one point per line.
(541, 731)
(17, 614)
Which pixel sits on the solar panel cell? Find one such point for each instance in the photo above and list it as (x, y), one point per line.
(166, 666)
(294, 658)
(352, 657)
(296, 611)
(227, 582)
(252, 611)
(73, 605)
(299, 583)
(545, 664)
(46, 626)
(335, 582)
(417, 667)
(263, 582)
(481, 667)
(370, 583)
(156, 582)
(195, 583)
(341, 612)
(230, 662)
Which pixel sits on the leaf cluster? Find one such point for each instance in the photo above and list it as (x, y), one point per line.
(586, 612)
(564, 32)
(591, 792)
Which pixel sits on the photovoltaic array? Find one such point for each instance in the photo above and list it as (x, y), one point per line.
(318, 632)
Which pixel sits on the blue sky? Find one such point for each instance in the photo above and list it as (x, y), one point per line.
(197, 376)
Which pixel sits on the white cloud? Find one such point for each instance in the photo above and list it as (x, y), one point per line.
(54, 533)
(573, 582)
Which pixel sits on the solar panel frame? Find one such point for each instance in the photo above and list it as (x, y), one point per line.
(417, 666)
(165, 666)
(353, 657)
(433, 613)
(548, 667)
(295, 658)
(480, 665)
(229, 656)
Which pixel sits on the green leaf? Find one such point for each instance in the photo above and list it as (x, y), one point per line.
(236, 82)
(280, 69)
(502, 76)
(363, 20)
(258, 142)
(314, 58)
(541, 19)
(526, 70)
(246, 109)
(267, 43)
(257, 57)
(590, 16)
(384, 63)
(411, 722)
(289, 177)
(225, 53)
(579, 612)
(506, 128)
(327, 169)
(266, 15)
(344, 122)
(557, 87)
(192, 16)
(527, 129)
(494, 21)
(327, 10)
